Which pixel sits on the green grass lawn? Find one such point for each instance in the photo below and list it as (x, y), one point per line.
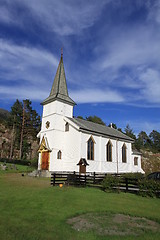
(15, 168)
(30, 209)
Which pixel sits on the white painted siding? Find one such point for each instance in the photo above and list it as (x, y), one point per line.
(73, 145)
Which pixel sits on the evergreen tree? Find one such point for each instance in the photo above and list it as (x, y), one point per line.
(154, 137)
(95, 119)
(129, 132)
(26, 124)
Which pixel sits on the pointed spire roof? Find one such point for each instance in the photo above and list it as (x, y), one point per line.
(59, 89)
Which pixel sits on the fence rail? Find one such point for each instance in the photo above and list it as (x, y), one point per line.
(93, 180)
(76, 179)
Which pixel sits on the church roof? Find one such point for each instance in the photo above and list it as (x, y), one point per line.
(95, 128)
(59, 89)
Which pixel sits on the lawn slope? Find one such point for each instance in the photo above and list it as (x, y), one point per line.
(31, 209)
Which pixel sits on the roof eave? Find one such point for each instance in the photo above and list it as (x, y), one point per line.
(104, 135)
(49, 100)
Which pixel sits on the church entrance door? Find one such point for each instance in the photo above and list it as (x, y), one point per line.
(45, 160)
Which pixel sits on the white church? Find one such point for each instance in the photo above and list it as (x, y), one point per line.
(72, 144)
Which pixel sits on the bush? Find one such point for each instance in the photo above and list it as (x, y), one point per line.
(136, 175)
(34, 163)
(110, 183)
(149, 188)
(15, 161)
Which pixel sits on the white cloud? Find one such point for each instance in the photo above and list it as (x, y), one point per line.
(96, 96)
(151, 82)
(154, 10)
(62, 17)
(25, 63)
(127, 60)
(133, 47)
(33, 93)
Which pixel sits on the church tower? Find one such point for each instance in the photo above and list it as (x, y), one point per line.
(55, 108)
(58, 104)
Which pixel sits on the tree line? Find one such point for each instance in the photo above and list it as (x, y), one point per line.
(24, 123)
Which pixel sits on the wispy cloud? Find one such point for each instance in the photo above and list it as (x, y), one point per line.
(25, 63)
(25, 71)
(64, 18)
(96, 96)
(12, 93)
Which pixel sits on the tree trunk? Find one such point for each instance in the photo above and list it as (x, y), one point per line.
(21, 141)
(12, 140)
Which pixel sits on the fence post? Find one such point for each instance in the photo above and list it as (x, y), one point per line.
(94, 178)
(85, 180)
(126, 179)
(54, 179)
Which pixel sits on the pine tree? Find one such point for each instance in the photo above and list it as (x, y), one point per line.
(25, 125)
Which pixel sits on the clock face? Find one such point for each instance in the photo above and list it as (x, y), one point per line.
(47, 124)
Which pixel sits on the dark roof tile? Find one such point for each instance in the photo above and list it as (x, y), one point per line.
(95, 128)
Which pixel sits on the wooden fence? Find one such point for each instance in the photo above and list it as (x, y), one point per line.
(76, 179)
(93, 180)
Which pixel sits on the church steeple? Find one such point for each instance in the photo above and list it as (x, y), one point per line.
(59, 89)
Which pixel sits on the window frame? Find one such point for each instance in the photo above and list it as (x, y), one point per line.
(59, 154)
(109, 151)
(135, 161)
(67, 127)
(124, 153)
(90, 149)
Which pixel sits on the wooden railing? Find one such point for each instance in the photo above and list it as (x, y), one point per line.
(76, 179)
(93, 180)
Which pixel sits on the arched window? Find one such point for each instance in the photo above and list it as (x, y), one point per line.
(124, 155)
(67, 127)
(90, 149)
(59, 155)
(109, 151)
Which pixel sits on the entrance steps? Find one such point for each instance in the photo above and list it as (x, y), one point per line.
(40, 173)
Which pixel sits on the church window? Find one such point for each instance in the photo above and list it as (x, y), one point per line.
(67, 127)
(47, 124)
(59, 155)
(109, 151)
(90, 149)
(124, 155)
(135, 161)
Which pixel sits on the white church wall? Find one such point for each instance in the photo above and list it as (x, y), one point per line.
(136, 168)
(58, 107)
(68, 143)
(110, 167)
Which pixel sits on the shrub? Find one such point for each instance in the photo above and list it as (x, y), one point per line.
(149, 188)
(15, 161)
(136, 175)
(110, 183)
(34, 163)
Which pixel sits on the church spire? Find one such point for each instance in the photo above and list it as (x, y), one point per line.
(59, 89)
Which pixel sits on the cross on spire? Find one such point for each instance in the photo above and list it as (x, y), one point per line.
(61, 51)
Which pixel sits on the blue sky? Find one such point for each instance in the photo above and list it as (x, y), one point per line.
(111, 56)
